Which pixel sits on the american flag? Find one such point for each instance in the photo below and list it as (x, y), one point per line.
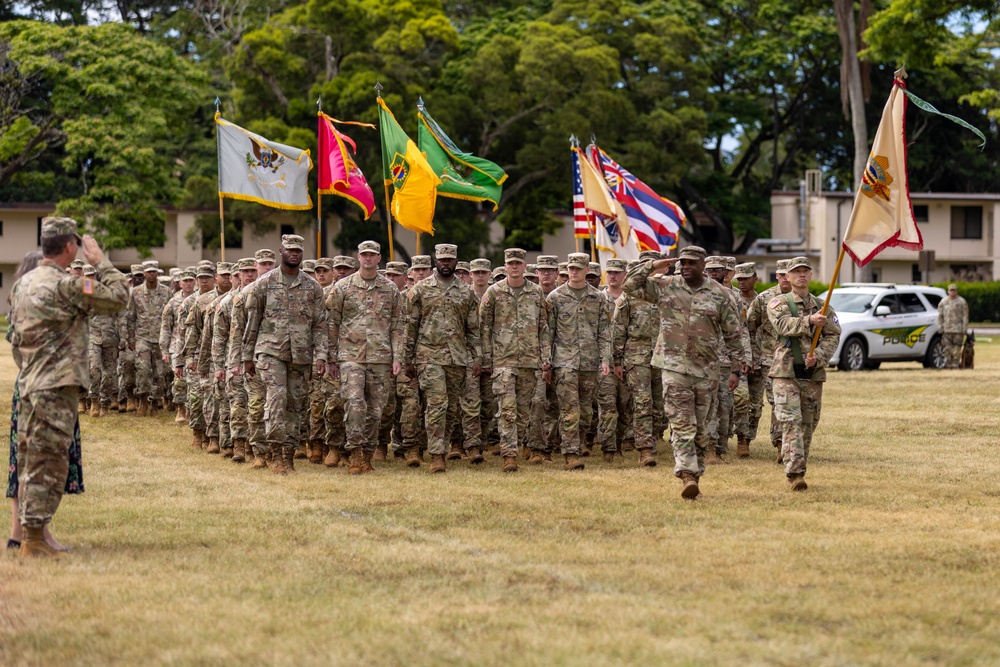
(581, 222)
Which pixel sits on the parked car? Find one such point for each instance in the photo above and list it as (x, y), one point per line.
(886, 322)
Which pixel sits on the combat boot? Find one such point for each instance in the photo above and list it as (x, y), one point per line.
(456, 453)
(300, 453)
(103, 412)
(315, 451)
(495, 450)
(83, 406)
(381, 453)
(413, 456)
(114, 405)
(154, 407)
(366, 461)
(573, 462)
(510, 464)
(33, 544)
(213, 445)
(228, 452)
(142, 405)
(198, 441)
(239, 450)
(536, 457)
(475, 456)
(713, 457)
(609, 457)
(259, 462)
(95, 409)
(437, 463)
(690, 490)
(332, 458)
(354, 466)
(344, 455)
(742, 447)
(399, 454)
(288, 458)
(130, 405)
(797, 482)
(181, 417)
(647, 458)
(546, 457)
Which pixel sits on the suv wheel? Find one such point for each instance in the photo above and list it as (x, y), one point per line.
(854, 356)
(935, 354)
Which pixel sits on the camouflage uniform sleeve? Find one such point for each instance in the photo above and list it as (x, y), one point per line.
(828, 339)
(335, 313)
(552, 310)
(192, 335)
(487, 311)
(940, 311)
(412, 322)
(131, 313)
(220, 338)
(472, 336)
(637, 282)
(544, 334)
(255, 311)
(110, 291)
(783, 322)
(320, 336)
(397, 329)
(237, 326)
(619, 329)
(205, 345)
(965, 314)
(166, 326)
(604, 331)
(733, 333)
(756, 315)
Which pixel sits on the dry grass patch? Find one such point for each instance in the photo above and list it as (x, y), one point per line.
(889, 559)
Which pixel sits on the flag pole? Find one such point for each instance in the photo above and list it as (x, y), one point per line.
(222, 211)
(590, 230)
(319, 198)
(829, 293)
(385, 186)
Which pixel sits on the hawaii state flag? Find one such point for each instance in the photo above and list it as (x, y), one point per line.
(656, 221)
(882, 215)
(339, 174)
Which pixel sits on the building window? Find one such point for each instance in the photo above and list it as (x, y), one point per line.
(966, 222)
(915, 275)
(920, 213)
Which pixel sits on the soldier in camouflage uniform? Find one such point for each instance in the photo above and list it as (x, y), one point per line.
(198, 364)
(205, 276)
(635, 326)
(366, 350)
(412, 433)
(103, 353)
(170, 322)
(462, 272)
(388, 434)
(285, 334)
(126, 357)
(694, 312)
(797, 374)
(516, 343)
(442, 339)
(563, 274)
(746, 278)
(580, 325)
(543, 429)
(614, 402)
(720, 414)
(319, 388)
(952, 321)
(145, 310)
(759, 380)
(230, 395)
(216, 396)
(478, 407)
(335, 437)
(49, 343)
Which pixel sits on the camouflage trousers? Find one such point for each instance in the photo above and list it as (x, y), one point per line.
(646, 386)
(180, 389)
(223, 409)
(721, 413)
(196, 400)
(614, 414)
(287, 390)
(756, 381)
(469, 432)
(411, 412)
(149, 369)
(256, 407)
(45, 426)
(687, 400)
(741, 408)
(390, 419)
(489, 426)
(575, 391)
(797, 406)
(543, 431)
(365, 387)
(238, 426)
(951, 345)
(319, 394)
(442, 387)
(514, 389)
(103, 383)
(126, 374)
(333, 412)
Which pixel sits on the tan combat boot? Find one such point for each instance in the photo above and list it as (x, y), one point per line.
(83, 406)
(647, 458)
(259, 462)
(103, 411)
(494, 450)
(456, 453)
(437, 463)
(797, 482)
(690, 490)
(713, 457)
(114, 405)
(198, 441)
(343, 457)
(609, 457)
(288, 458)
(413, 456)
(300, 453)
(546, 457)
(315, 452)
(510, 464)
(573, 462)
(130, 404)
(475, 456)
(213, 446)
(742, 447)
(181, 418)
(277, 461)
(332, 458)
(239, 450)
(33, 544)
(228, 452)
(95, 409)
(142, 405)
(354, 468)
(536, 457)
(366, 461)
(154, 407)
(381, 453)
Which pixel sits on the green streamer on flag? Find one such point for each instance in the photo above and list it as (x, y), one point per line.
(927, 106)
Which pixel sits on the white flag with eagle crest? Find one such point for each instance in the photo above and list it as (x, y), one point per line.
(882, 215)
(253, 168)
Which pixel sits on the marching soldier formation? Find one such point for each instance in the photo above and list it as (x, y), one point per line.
(275, 359)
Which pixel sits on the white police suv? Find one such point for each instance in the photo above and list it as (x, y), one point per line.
(886, 322)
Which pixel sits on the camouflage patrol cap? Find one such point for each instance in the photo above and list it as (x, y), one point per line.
(150, 265)
(445, 251)
(796, 262)
(563, 268)
(782, 266)
(343, 260)
(547, 262)
(54, 226)
(420, 262)
(186, 274)
(650, 254)
(292, 242)
(174, 271)
(163, 280)
(715, 262)
(246, 264)
(396, 268)
(205, 270)
(136, 269)
(593, 269)
(224, 268)
(308, 265)
(691, 252)
(580, 260)
(463, 266)
(614, 265)
(498, 272)
(952, 286)
(370, 246)
(730, 263)
(76, 264)
(746, 270)
(324, 263)
(89, 270)
(514, 255)
(481, 264)
(192, 269)
(264, 255)
(530, 271)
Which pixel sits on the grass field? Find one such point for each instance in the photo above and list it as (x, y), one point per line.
(890, 558)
